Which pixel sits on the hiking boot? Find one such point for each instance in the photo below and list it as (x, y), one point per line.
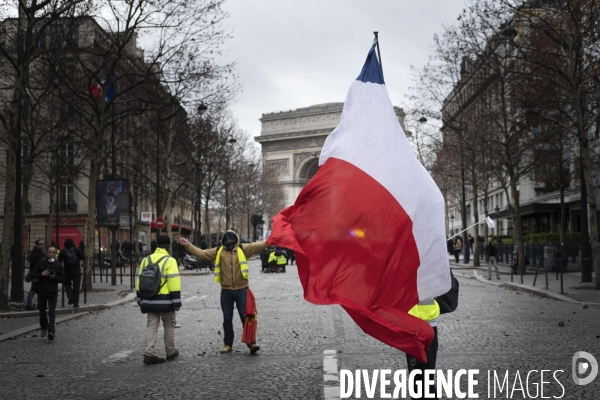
(226, 349)
(50, 336)
(43, 334)
(153, 360)
(174, 355)
(253, 348)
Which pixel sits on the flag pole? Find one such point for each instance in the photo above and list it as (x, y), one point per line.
(476, 223)
(376, 33)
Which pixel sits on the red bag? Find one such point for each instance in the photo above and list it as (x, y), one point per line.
(250, 320)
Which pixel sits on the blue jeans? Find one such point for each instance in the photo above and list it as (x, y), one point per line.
(30, 295)
(228, 298)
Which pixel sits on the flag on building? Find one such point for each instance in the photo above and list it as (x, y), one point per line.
(96, 90)
(368, 229)
(490, 222)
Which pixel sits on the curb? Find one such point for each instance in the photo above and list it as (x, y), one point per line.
(90, 307)
(82, 311)
(532, 290)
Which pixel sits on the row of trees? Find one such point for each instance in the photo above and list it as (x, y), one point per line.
(86, 82)
(514, 88)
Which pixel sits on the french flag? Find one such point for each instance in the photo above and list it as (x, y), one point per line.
(368, 229)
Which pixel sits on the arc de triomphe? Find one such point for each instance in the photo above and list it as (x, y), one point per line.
(292, 140)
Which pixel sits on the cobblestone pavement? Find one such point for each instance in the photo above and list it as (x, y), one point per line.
(100, 356)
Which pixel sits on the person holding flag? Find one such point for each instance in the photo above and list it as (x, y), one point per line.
(379, 253)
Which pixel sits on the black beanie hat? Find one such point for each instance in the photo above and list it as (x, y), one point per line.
(163, 241)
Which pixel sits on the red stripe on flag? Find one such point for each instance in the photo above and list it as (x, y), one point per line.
(355, 248)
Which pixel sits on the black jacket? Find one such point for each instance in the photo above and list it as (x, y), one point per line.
(35, 257)
(48, 287)
(62, 257)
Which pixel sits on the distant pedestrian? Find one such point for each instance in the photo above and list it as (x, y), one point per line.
(49, 272)
(71, 257)
(278, 257)
(290, 256)
(457, 248)
(490, 255)
(153, 246)
(471, 242)
(231, 271)
(264, 260)
(81, 246)
(140, 247)
(163, 305)
(36, 255)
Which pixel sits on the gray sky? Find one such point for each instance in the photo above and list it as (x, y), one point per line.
(295, 54)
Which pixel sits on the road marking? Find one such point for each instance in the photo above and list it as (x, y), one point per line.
(331, 388)
(117, 356)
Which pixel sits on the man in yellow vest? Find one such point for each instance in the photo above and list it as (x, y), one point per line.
(163, 305)
(428, 310)
(278, 257)
(231, 271)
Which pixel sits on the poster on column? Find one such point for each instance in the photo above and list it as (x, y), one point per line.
(106, 200)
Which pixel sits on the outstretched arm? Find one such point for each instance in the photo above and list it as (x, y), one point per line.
(209, 254)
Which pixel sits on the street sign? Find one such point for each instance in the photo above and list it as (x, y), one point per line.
(146, 216)
(160, 223)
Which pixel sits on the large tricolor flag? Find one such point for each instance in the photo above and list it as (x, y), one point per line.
(368, 229)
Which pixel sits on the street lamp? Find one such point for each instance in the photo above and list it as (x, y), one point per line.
(497, 209)
(201, 110)
(251, 165)
(422, 120)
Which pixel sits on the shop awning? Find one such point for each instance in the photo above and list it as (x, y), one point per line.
(174, 228)
(65, 232)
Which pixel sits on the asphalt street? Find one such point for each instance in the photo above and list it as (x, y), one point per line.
(303, 347)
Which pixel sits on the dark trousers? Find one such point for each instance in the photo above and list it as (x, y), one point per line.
(228, 299)
(73, 283)
(413, 363)
(51, 303)
(456, 253)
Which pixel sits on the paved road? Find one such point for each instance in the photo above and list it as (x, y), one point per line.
(100, 356)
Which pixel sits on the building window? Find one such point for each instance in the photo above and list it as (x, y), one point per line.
(66, 155)
(65, 197)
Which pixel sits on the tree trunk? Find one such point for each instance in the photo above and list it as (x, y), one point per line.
(90, 228)
(518, 232)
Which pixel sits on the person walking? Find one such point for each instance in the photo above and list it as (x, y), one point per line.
(457, 248)
(231, 271)
(36, 255)
(49, 273)
(428, 310)
(490, 255)
(290, 256)
(164, 304)
(71, 257)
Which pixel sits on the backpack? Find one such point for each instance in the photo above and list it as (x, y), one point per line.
(449, 301)
(150, 278)
(71, 258)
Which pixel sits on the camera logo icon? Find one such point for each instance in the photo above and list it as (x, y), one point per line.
(580, 368)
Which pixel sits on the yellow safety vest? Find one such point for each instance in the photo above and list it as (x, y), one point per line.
(279, 260)
(241, 258)
(427, 310)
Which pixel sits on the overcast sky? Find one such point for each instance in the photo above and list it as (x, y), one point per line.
(295, 54)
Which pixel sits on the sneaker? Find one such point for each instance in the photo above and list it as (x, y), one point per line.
(70, 300)
(30, 308)
(50, 336)
(174, 355)
(226, 349)
(43, 334)
(75, 305)
(177, 326)
(254, 348)
(498, 277)
(148, 360)
(489, 278)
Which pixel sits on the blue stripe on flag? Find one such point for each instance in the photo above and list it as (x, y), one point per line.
(371, 71)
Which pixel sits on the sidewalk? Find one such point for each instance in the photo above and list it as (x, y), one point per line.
(20, 321)
(572, 289)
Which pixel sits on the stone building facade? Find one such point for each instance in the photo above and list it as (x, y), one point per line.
(292, 140)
